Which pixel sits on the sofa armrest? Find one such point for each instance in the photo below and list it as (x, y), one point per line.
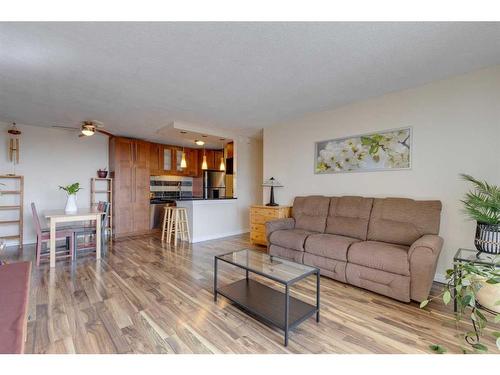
(423, 256)
(274, 225)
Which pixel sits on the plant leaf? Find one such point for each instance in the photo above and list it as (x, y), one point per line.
(424, 303)
(438, 349)
(446, 297)
(480, 347)
(493, 280)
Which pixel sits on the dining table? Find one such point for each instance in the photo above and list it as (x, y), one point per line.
(82, 214)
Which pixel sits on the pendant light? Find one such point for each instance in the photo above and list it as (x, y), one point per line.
(183, 159)
(204, 165)
(222, 166)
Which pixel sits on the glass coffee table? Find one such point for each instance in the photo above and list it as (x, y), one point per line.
(270, 305)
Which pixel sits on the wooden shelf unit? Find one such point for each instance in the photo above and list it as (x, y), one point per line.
(108, 191)
(19, 191)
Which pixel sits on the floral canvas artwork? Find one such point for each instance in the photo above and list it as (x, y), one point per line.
(370, 152)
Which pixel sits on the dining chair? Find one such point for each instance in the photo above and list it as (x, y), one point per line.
(43, 235)
(90, 230)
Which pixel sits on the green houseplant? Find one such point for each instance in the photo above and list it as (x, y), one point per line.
(470, 279)
(482, 204)
(476, 284)
(71, 190)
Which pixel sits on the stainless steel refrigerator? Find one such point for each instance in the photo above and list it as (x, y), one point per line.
(214, 184)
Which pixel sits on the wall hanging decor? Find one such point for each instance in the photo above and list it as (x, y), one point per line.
(378, 151)
(14, 135)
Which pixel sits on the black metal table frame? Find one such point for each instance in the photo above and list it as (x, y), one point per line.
(287, 285)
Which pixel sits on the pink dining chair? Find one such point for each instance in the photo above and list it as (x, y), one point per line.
(43, 235)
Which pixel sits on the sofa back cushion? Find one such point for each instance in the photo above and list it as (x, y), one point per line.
(403, 221)
(310, 212)
(349, 216)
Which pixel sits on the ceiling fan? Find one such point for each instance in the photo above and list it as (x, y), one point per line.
(87, 128)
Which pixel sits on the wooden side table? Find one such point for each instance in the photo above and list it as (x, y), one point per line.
(259, 215)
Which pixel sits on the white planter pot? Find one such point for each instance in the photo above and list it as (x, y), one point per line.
(71, 204)
(488, 294)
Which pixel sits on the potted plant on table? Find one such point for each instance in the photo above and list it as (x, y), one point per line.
(475, 287)
(71, 190)
(483, 206)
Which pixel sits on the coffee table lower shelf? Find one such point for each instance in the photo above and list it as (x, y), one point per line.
(267, 303)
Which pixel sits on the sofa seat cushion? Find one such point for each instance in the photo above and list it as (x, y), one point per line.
(381, 256)
(332, 268)
(387, 283)
(329, 245)
(282, 252)
(290, 238)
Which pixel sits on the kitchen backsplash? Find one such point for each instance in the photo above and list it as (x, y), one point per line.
(171, 186)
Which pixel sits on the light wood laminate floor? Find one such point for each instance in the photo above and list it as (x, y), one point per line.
(147, 297)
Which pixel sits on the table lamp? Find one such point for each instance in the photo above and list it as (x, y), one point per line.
(272, 183)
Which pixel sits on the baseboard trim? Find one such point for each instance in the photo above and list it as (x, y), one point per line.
(218, 235)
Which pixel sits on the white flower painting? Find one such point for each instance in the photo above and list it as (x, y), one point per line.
(370, 152)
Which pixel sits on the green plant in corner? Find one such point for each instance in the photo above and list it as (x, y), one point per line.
(482, 205)
(71, 189)
(469, 278)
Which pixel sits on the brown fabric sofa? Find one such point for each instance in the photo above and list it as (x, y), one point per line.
(387, 245)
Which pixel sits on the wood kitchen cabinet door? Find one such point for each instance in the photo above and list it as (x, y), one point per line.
(168, 160)
(122, 152)
(130, 168)
(218, 155)
(141, 186)
(192, 162)
(210, 159)
(155, 159)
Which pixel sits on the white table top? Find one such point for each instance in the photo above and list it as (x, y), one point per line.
(81, 211)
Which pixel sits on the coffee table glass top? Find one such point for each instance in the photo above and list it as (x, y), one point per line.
(270, 266)
(474, 256)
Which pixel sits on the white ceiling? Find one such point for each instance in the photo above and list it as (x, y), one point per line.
(139, 77)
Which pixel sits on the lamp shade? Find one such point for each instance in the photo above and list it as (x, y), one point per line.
(272, 183)
(183, 160)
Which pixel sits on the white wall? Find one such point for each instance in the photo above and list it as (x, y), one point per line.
(49, 158)
(456, 129)
(248, 179)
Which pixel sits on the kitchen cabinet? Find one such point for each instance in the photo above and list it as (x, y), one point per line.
(130, 169)
(213, 159)
(155, 159)
(168, 160)
(192, 162)
(218, 155)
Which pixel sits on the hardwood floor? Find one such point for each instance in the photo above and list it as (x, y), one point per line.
(147, 297)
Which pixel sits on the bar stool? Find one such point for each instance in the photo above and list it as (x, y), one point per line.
(176, 224)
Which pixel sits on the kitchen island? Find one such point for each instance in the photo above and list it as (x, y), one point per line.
(211, 218)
